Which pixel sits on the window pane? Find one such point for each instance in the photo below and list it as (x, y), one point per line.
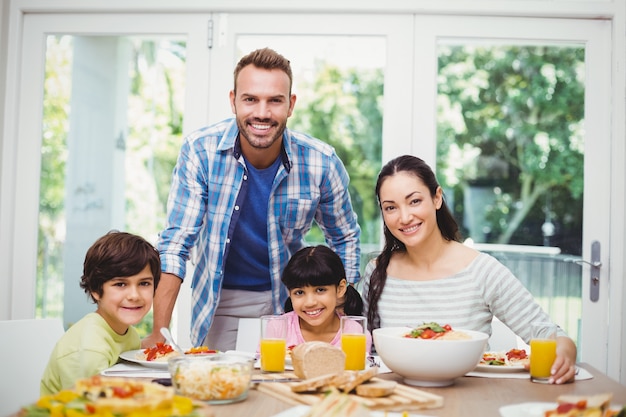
(111, 132)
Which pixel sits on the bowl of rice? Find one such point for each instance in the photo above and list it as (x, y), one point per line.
(432, 360)
(216, 379)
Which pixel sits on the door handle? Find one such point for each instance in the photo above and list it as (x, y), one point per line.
(594, 273)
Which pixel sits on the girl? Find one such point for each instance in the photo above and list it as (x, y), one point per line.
(318, 294)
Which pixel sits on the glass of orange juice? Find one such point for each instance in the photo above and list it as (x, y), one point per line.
(542, 350)
(353, 341)
(273, 343)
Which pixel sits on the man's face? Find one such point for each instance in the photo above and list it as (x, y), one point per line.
(262, 104)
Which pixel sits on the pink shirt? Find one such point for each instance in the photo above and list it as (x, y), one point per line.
(294, 334)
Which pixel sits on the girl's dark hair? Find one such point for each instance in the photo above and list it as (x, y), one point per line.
(316, 266)
(445, 221)
(116, 255)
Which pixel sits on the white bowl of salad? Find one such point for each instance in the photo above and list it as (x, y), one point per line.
(430, 355)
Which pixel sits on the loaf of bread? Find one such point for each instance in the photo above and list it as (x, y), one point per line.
(313, 359)
(337, 404)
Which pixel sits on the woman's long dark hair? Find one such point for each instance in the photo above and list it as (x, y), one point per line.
(316, 266)
(445, 221)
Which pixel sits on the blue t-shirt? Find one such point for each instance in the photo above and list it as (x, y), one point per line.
(248, 262)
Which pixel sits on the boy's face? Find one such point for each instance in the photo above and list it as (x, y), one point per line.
(126, 300)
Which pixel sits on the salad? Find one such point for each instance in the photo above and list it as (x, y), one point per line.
(430, 330)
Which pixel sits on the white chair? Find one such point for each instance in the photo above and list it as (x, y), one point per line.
(248, 335)
(25, 347)
(504, 339)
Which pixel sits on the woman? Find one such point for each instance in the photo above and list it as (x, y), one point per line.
(425, 274)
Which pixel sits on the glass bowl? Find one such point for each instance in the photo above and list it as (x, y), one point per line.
(215, 379)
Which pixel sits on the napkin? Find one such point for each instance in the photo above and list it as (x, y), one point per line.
(581, 375)
(134, 370)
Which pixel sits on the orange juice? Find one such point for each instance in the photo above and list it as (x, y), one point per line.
(273, 355)
(542, 355)
(353, 346)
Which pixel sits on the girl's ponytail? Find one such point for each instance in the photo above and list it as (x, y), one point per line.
(353, 303)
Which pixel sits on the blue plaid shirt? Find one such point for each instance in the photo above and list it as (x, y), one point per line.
(208, 184)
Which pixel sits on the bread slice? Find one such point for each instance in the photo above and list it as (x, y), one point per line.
(337, 404)
(322, 381)
(357, 378)
(379, 388)
(313, 359)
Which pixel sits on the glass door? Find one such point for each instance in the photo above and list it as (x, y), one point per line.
(522, 139)
(99, 135)
(348, 75)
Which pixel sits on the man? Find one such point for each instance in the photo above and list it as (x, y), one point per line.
(244, 193)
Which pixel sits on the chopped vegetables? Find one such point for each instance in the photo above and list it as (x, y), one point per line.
(516, 354)
(514, 357)
(131, 396)
(200, 350)
(430, 330)
(211, 380)
(161, 349)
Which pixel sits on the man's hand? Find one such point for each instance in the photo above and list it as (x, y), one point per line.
(152, 339)
(162, 307)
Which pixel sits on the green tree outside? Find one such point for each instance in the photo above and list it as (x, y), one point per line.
(345, 110)
(510, 117)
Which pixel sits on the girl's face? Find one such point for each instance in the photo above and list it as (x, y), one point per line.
(409, 211)
(316, 305)
(126, 300)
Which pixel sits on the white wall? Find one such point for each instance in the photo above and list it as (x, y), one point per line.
(4, 275)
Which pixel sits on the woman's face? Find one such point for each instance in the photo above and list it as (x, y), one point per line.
(409, 211)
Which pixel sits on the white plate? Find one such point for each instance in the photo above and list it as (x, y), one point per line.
(532, 409)
(248, 355)
(481, 367)
(131, 356)
(301, 410)
(526, 409)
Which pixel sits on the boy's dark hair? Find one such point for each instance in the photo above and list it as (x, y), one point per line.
(317, 266)
(115, 255)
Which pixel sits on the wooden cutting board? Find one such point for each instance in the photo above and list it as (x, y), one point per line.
(404, 398)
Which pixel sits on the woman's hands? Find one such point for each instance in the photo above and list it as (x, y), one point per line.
(564, 366)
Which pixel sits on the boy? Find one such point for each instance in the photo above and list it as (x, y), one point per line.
(120, 274)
